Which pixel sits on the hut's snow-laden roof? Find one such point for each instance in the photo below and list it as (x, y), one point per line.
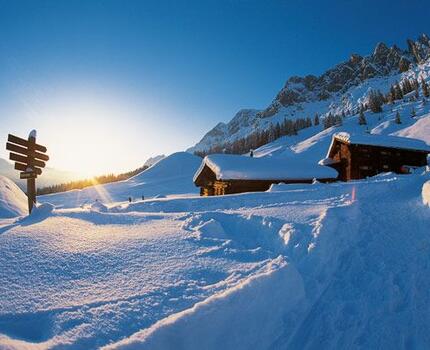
(235, 167)
(383, 141)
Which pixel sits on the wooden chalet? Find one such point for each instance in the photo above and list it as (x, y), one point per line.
(221, 174)
(361, 156)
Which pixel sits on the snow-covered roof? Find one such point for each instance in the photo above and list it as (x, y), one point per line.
(383, 141)
(235, 167)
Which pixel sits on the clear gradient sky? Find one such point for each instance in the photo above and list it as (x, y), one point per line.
(110, 83)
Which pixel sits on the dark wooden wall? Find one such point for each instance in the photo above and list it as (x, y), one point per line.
(361, 161)
(240, 186)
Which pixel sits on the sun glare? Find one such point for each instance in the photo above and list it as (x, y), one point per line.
(89, 137)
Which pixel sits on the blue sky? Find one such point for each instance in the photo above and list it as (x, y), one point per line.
(110, 83)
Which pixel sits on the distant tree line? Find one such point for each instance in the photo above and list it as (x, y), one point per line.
(80, 184)
(259, 138)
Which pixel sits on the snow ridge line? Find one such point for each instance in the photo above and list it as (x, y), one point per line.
(328, 225)
(218, 321)
(286, 288)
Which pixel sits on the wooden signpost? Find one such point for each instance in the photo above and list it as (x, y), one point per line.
(29, 158)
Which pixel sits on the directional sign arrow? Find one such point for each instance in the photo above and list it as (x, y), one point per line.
(23, 159)
(26, 143)
(26, 152)
(23, 167)
(28, 175)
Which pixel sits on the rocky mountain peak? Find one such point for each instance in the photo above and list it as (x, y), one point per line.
(383, 61)
(331, 85)
(381, 50)
(355, 59)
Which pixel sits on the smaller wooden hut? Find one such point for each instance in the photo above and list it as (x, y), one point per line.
(221, 174)
(361, 156)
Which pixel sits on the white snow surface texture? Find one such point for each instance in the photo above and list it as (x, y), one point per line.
(13, 202)
(342, 265)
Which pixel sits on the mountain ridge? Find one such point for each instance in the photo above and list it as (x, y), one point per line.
(334, 91)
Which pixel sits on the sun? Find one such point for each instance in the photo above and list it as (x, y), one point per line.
(88, 139)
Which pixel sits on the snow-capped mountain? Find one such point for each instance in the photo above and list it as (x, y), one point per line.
(341, 89)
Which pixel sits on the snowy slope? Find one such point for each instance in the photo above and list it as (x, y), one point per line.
(420, 130)
(307, 266)
(13, 202)
(171, 175)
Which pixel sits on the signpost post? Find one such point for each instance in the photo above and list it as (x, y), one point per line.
(29, 158)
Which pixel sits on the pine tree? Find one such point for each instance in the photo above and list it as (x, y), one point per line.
(406, 86)
(425, 88)
(362, 119)
(398, 94)
(316, 119)
(398, 120)
(391, 96)
(415, 83)
(295, 129)
(329, 121)
(277, 131)
(376, 100)
(413, 113)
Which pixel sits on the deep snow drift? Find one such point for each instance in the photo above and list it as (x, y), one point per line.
(13, 202)
(171, 175)
(342, 265)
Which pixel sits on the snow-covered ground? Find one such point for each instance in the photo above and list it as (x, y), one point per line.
(340, 265)
(13, 202)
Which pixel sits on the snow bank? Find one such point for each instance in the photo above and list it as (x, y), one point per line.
(233, 167)
(99, 207)
(13, 201)
(210, 229)
(281, 187)
(419, 130)
(248, 316)
(43, 209)
(176, 165)
(426, 193)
